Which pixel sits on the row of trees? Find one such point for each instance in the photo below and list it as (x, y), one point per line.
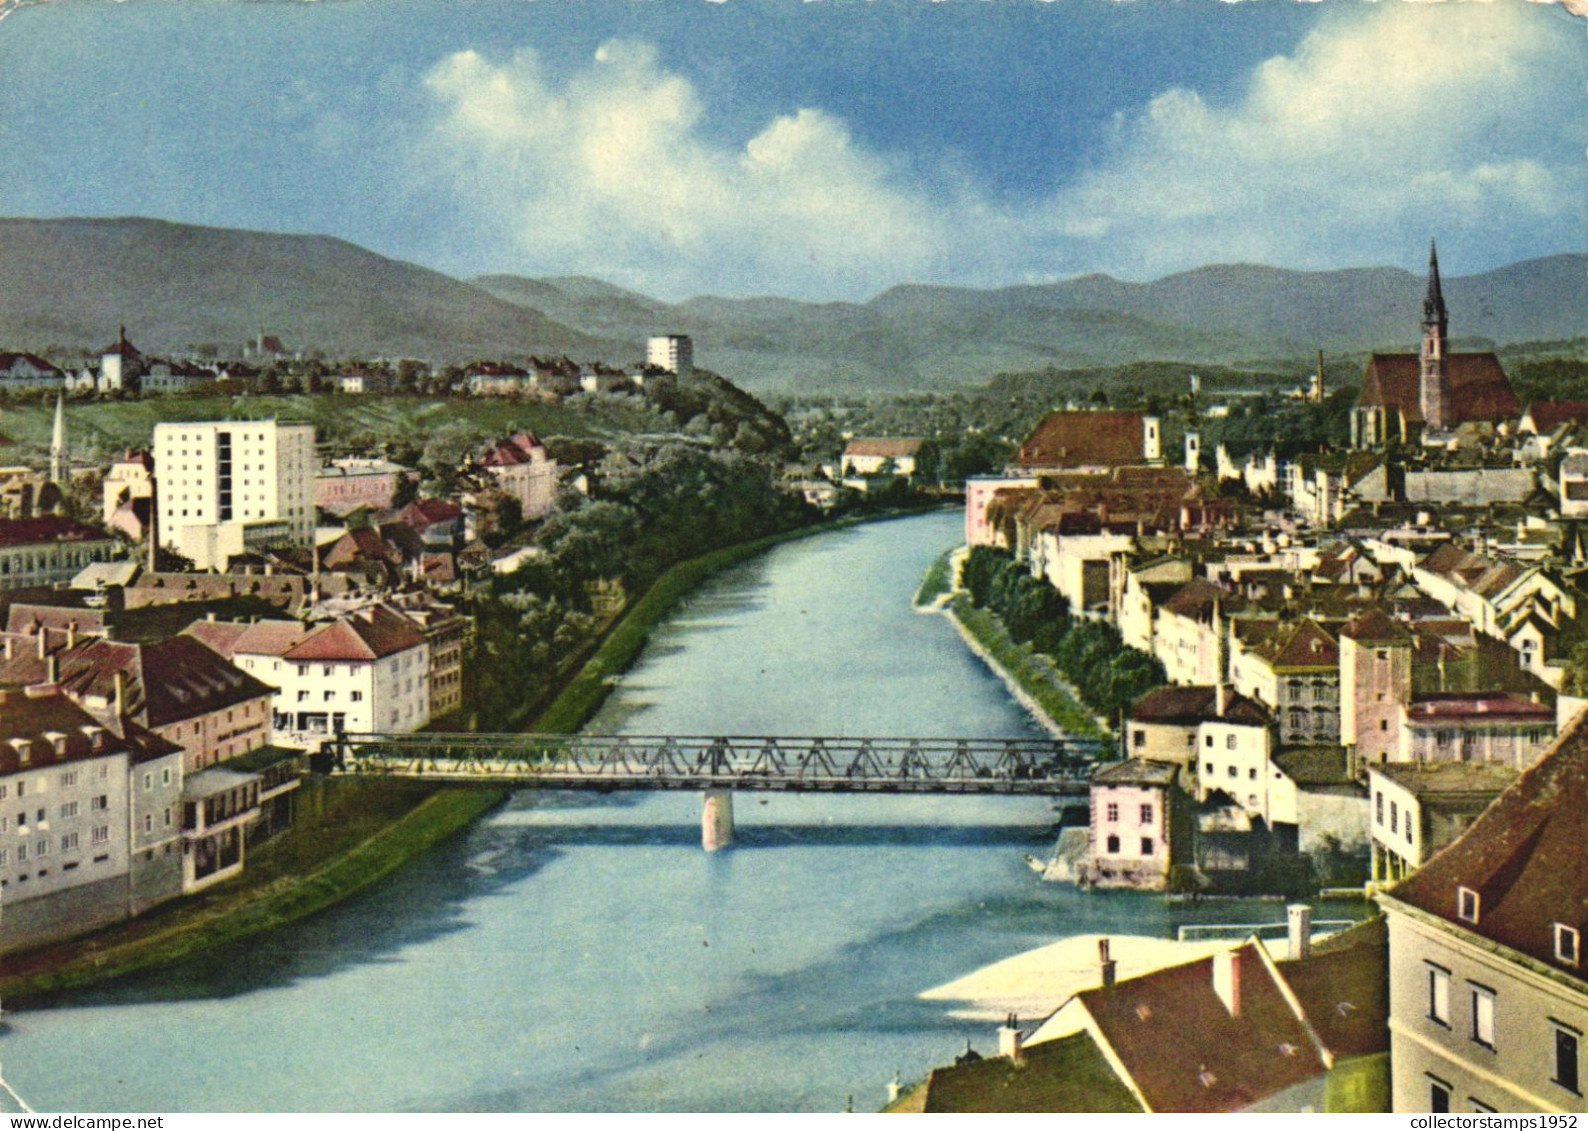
(1107, 674)
(657, 505)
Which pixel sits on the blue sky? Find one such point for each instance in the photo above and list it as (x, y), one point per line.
(817, 149)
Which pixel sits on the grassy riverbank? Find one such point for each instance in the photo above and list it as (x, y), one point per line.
(349, 833)
(938, 580)
(589, 688)
(1032, 672)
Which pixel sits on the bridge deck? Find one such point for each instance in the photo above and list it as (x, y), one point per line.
(698, 762)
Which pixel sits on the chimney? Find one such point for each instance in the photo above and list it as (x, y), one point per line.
(52, 670)
(1009, 1038)
(1108, 966)
(1298, 920)
(121, 695)
(10, 648)
(1221, 698)
(44, 647)
(71, 634)
(1227, 979)
(895, 1089)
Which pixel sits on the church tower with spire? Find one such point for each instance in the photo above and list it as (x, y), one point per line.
(60, 466)
(1433, 383)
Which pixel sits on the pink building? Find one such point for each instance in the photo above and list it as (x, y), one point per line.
(979, 492)
(348, 484)
(1138, 832)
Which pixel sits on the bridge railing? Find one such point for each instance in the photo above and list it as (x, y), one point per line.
(737, 761)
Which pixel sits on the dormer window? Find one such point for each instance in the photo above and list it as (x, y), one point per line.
(1568, 944)
(1467, 904)
(57, 742)
(24, 749)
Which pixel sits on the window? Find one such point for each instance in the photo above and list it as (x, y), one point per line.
(68, 779)
(100, 835)
(168, 817)
(1568, 944)
(1113, 845)
(68, 842)
(303, 697)
(1568, 1044)
(1229, 742)
(148, 781)
(1467, 904)
(1439, 995)
(1146, 814)
(1137, 738)
(165, 776)
(1478, 1105)
(1438, 1096)
(1251, 774)
(1482, 1015)
(68, 810)
(1113, 811)
(1234, 773)
(1146, 846)
(1208, 768)
(148, 822)
(100, 803)
(358, 697)
(1378, 806)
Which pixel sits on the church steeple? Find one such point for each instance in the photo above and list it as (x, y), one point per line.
(1433, 386)
(60, 471)
(1434, 303)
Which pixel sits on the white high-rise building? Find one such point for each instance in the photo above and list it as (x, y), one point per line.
(672, 352)
(232, 487)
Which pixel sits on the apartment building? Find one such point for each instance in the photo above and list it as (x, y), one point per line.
(232, 487)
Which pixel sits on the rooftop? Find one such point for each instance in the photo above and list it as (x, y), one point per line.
(1434, 779)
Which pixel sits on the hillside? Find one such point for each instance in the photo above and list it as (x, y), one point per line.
(69, 283)
(926, 337)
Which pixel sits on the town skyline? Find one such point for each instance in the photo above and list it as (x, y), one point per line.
(665, 150)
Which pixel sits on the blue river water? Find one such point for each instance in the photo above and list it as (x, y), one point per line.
(581, 952)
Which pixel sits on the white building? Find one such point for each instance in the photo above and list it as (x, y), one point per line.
(232, 487)
(672, 352)
(366, 672)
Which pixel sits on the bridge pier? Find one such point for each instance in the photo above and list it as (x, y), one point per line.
(716, 819)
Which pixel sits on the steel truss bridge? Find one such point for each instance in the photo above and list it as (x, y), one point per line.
(737, 762)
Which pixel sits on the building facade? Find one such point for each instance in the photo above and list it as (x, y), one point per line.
(232, 487)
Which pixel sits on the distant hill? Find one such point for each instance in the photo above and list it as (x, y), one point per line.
(927, 337)
(70, 283)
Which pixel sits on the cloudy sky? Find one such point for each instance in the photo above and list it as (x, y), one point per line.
(821, 149)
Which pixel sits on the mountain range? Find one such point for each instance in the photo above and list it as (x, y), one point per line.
(69, 283)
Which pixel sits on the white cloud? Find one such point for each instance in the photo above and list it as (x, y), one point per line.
(1387, 124)
(611, 172)
(1386, 120)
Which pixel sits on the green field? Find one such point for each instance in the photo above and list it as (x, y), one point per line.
(101, 430)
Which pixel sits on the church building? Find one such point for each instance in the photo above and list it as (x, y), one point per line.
(1408, 398)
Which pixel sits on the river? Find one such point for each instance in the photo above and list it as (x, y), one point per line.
(581, 952)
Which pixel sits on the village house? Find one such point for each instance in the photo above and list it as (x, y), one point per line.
(1294, 670)
(1140, 826)
(368, 672)
(522, 467)
(1238, 1031)
(345, 485)
(1419, 807)
(1488, 999)
(49, 550)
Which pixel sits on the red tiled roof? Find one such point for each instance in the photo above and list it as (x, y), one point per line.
(1479, 388)
(167, 682)
(1196, 598)
(10, 360)
(268, 638)
(1189, 705)
(1468, 707)
(219, 637)
(1523, 857)
(368, 634)
(1550, 415)
(34, 716)
(1343, 989)
(1183, 1049)
(46, 528)
(1083, 439)
(881, 446)
(1306, 646)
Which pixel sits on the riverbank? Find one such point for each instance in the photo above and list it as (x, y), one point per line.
(1030, 677)
(350, 833)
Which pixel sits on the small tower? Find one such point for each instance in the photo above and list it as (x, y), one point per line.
(60, 467)
(1433, 385)
(1193, 451)
(1316, 393)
